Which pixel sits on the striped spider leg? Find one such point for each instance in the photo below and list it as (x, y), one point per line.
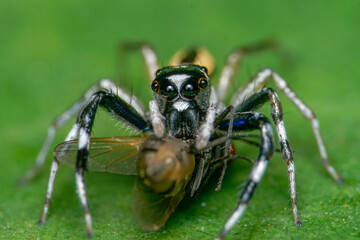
(135, 112)
(74, 109)
(119, 109)
(257, 83)
(243, 122)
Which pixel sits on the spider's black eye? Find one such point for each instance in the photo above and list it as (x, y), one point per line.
(155, 86)
(190, 90)
(169, 92)
(203, 83)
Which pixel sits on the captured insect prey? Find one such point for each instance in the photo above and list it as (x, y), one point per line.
(184, 135)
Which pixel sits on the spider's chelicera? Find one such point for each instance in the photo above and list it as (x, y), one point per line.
(186, 133)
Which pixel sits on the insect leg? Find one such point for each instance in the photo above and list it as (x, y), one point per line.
(234, 60)
(259, 81)
(256, 101)
(148, 53)
(63, 118)
(242, 122)
(117, 108)
(54, 168)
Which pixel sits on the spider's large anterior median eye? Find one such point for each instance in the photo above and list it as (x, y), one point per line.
(190, 89)
(168, 91)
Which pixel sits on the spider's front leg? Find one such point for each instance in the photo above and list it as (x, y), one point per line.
(259, 81)
(73, 134)
(253, 103)
(74, 109)
(242, 122)
(117, 108)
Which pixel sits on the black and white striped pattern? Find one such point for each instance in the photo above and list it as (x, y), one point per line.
(254, 102)
(129, 110)
(54, 168)
(82, 129)
(64, 118)
(259, 81)
(257, 172)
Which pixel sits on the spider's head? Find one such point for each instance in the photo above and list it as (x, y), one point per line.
(182, 93)
(185, 83)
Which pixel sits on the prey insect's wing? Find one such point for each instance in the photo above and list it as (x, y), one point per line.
(151, 209)
(114, 154)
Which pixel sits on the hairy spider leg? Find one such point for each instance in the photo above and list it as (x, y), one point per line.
(228, 112)
(148, 53)
(53, 171)
(233, 63)
(157, 119)
(243, 122)
(64, 117)
(119, 109)
(254, 102)
(259, 81)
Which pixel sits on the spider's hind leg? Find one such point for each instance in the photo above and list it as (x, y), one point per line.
(148, 54)
(233, 63)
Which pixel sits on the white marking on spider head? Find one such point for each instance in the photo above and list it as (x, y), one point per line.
(181, 105)
(178, 79)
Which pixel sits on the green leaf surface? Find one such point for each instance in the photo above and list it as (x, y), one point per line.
(52, 51)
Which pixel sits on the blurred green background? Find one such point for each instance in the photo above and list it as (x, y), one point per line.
(51, 52)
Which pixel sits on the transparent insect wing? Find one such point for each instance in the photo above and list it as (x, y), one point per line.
(115, 154)
(151, 209)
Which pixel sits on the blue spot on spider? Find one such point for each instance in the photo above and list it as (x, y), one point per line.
(239, 124)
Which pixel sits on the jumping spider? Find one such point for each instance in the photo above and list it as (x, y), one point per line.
(186, 114)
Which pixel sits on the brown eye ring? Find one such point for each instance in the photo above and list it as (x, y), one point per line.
(155, 86)
(203, 83)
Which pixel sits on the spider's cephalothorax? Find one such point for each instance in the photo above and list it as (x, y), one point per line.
(185, 134)
(182, 93)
